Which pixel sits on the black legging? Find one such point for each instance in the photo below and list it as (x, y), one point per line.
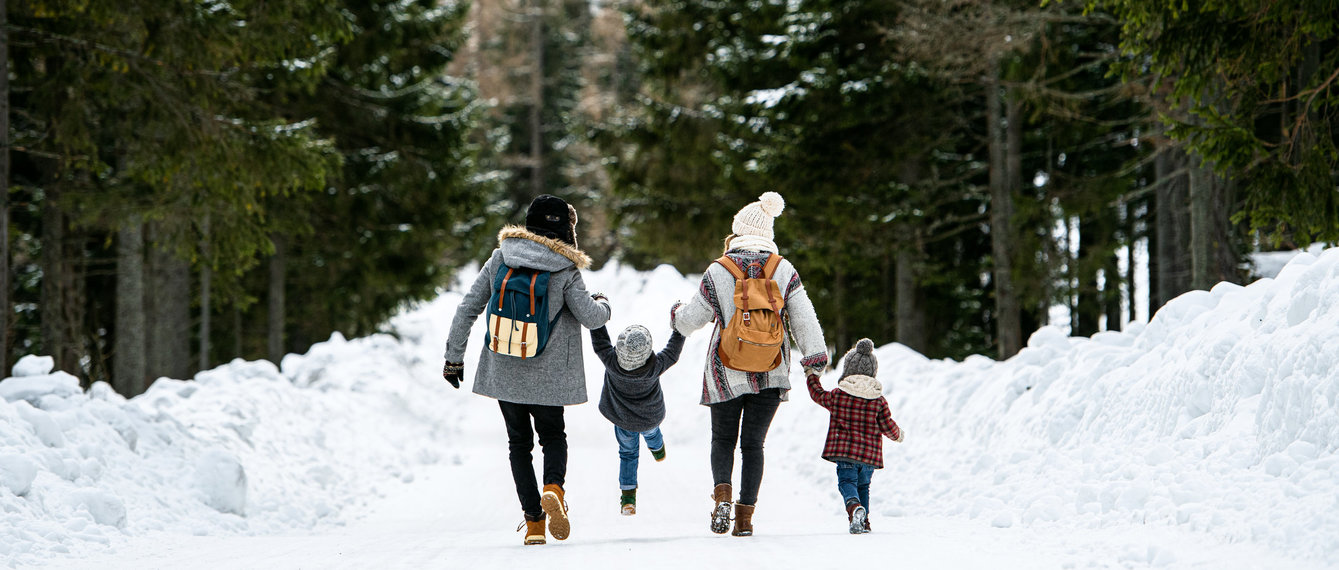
(548, 422)
(756, 412)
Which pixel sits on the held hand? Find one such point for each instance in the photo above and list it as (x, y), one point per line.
(674, 313)
(454, 372)
(599, 297)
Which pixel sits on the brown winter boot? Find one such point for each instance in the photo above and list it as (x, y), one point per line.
(720, 514)
(556, 508)
(856, 517)
(534, 530)
(743, 520)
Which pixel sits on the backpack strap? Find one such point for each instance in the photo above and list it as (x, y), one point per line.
(773, 261)
(533, 277)
(729, 265)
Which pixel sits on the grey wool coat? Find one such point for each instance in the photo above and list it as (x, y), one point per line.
(632, 399)
(557, 376)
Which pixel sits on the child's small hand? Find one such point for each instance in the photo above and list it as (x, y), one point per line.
(674, 312)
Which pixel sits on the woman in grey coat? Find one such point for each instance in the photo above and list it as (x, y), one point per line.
(744, 403)
(534, 390)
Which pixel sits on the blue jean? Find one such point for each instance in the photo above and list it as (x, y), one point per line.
(853, 481)
(629, 450)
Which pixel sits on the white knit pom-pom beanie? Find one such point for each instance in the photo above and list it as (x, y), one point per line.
(756, 219)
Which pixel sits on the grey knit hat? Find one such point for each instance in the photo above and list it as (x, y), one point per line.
(860, 360)
(634, 347)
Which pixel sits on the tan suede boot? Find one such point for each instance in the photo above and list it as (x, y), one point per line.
(556, 508)
(720, 514)
(534, 531)
(743, 520)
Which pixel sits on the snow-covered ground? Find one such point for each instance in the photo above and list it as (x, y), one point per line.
(1207, 438)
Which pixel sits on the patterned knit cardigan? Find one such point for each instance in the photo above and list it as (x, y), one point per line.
(715, 302)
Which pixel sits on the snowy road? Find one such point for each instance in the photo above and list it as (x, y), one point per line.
(462, 514)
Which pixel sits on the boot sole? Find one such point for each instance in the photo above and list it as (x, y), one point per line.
(559, 527)
(534, 541)
(858, 521)
(720, 518)
(629, 510)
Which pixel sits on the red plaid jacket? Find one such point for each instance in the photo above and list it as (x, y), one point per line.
(856, 426)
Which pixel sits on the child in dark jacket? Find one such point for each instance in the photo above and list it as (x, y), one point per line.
(859, 419)
(632, 399)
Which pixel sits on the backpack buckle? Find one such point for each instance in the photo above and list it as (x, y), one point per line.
(746, 316)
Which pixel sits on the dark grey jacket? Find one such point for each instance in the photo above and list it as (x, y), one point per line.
(632, 399)
(557, 376)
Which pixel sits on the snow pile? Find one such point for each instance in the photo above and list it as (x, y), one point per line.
(1221, 415)
(244, 448)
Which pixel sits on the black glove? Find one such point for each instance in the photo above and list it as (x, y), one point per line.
(454, 372)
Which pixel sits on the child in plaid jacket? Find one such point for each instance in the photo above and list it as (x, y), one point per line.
(859, 420)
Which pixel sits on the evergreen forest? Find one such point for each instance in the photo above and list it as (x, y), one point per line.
(186, 182)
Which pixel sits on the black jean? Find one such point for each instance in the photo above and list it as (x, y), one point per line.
(548, 423)
(744, 419)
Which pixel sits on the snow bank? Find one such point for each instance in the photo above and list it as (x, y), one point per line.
(243, 448)
(1221, 415)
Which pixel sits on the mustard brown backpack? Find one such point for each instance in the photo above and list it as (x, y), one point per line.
(752, 341)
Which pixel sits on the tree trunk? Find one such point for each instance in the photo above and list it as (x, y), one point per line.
(5, 300)
(206, 294)
(1171, 224)
(910, 301)
(275, 328)
(1201, 225)
(168, 301)
(53, 276)
(1112, 281)
(1088, 308)
(129, 367)
(1008, 315)
(237, 333)
(839, 300)
(537, 100)
(1132, 237)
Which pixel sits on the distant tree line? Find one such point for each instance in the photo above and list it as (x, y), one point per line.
(954, 170)
(197, 181)
(190, 182)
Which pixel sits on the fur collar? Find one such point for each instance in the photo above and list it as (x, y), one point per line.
(861, 386)
(578, 257)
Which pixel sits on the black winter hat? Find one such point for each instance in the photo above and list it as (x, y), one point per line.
(551, 217)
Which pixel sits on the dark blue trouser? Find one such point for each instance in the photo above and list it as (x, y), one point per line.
(629, 450)
(853, 481)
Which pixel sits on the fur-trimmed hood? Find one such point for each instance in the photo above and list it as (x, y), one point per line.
(576, 256)
(861, 386)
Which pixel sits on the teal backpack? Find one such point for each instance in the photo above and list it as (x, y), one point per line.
(518, 311)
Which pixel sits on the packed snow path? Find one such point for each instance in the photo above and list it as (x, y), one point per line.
(1205, 440)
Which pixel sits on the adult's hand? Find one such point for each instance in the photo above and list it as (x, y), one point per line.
(674, 313)
(454, 372)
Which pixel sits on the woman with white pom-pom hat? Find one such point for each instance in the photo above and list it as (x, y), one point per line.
(743, 403)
